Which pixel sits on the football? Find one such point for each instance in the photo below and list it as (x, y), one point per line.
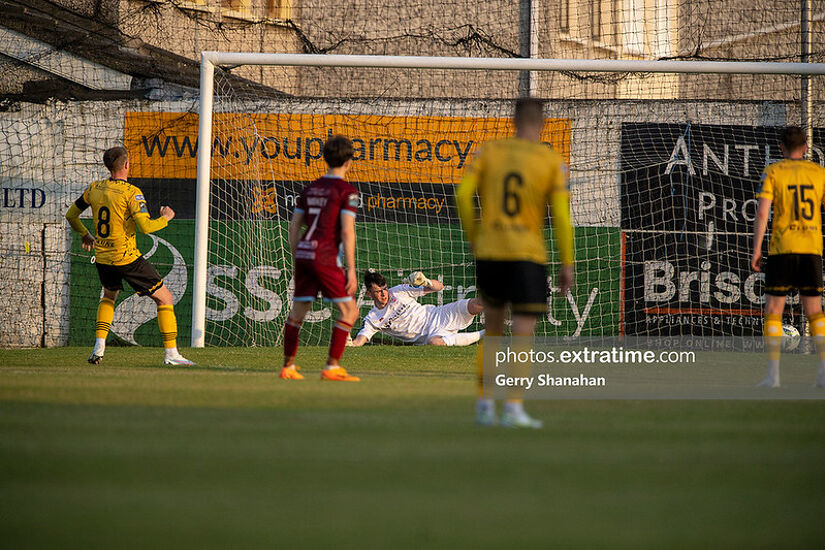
(790, 337)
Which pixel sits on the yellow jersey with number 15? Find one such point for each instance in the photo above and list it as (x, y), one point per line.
(116, 207)
(516, 180)
(797, 189)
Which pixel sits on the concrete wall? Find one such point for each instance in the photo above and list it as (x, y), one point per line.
(51, 152)
(188, 28)
(629, 29)
(747, 30)
(16, 75)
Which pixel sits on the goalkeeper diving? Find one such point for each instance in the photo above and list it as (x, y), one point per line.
(397, 313)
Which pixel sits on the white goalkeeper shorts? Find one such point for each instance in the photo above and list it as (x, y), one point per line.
(450, 318)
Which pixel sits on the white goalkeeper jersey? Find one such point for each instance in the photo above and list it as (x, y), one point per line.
(403, 317)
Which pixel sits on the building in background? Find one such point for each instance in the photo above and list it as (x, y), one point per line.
(159, 41)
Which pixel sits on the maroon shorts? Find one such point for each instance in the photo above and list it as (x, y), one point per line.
(310, 277)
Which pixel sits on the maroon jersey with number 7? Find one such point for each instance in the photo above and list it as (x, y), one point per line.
(322, 202)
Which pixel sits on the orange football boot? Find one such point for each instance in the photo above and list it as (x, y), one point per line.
(338, 374)
(291, 373)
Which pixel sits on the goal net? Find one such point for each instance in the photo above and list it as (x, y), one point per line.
(131, 78)
(664, 168)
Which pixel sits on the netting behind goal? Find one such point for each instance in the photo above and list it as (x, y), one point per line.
(662, 189)
(81, 80)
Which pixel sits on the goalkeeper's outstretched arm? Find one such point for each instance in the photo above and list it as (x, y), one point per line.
(358, 341)
(418, 279)
(367, 332)
(435, 286)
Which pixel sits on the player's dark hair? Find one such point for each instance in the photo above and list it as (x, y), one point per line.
(792, 138)
(115, 158)
(372, 277)
(337, 151)
(528, 111)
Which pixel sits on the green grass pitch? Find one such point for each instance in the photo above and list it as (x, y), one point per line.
(225, 455)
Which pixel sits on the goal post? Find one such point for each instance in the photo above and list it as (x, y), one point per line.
(207, 84)
(614, 180)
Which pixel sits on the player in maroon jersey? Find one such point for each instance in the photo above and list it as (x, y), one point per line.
(327, 208)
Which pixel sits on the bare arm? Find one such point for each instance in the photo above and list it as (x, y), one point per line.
(435, 286)
(367, 331)
(348, 240)
(295, 226)
(760, 225)
(358, 341)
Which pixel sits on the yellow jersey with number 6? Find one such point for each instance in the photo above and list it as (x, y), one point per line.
(116, 204)
(516, 180)
(797, 189)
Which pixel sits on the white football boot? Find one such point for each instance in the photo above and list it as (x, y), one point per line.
(178, 360)
(486, 412)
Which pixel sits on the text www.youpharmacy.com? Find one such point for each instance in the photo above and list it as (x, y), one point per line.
(612, 356)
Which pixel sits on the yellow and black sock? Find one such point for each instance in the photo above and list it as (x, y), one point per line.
(521, 345)
(168, 325)
(773, 335)
(105, 314)
(491, 350)
(816, 322)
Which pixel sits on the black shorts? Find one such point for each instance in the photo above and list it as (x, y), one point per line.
(786, 272)
(521, 284)
(140, 274)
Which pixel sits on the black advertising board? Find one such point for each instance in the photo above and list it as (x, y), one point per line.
(688, 202)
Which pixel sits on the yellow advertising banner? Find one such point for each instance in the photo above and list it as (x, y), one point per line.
(287, 147)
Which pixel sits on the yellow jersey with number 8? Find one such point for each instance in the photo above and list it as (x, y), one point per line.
(797, 189)
(116, 204)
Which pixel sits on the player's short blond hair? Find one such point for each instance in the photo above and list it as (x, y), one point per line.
(115, 158)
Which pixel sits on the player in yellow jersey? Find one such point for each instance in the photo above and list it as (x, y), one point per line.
(118, 210)
(795, 189)
(515, 180)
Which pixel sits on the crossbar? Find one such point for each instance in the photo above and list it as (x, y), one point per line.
(513, 64)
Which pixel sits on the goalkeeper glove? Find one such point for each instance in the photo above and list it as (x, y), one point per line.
(417, 278)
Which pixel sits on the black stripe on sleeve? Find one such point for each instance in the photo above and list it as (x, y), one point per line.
(81, 204)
